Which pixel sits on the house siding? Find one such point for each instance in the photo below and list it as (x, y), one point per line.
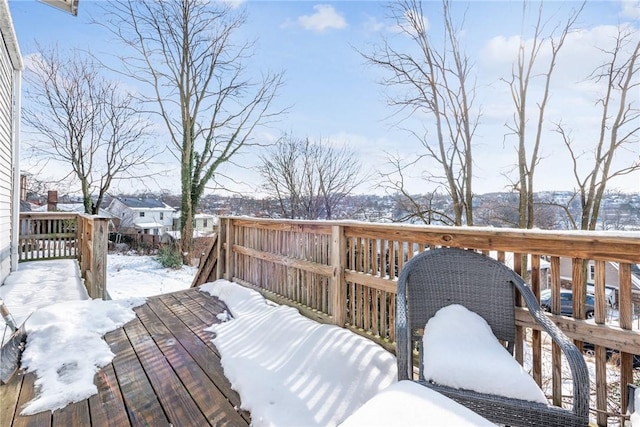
(205, 223)
(10, 64)
(611, 273)
(130, 217)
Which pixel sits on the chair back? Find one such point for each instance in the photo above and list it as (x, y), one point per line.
(440, 277)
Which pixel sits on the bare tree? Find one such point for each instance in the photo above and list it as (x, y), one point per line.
(78, 117)
(619, 127)
(185, 52)
(436, 82)
(309, 179)
(528, 149)
(421, 208)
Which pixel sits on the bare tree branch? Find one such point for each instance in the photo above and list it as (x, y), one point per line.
(618, 127)
(309, 180)
(187, 54)
(91, 124)
(528, 150)
(435, 82)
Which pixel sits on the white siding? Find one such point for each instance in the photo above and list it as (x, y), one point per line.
(6, 161)
(10, 66)
(119, 210)
(130, 217)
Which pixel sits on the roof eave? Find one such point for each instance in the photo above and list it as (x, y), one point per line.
(9, 36)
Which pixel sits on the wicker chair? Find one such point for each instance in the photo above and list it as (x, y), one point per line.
(439, 277)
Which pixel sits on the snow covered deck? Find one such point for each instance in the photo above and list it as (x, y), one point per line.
(166, 371)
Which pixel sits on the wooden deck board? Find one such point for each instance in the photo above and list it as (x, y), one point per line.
(107, 407)
(74, 414)
(9, 394)
(175, 400)
(27, 393)
(143, 407)
(192, 366)
(165, 372)
(210, 364)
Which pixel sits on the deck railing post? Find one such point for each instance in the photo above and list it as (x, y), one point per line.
(222, 243)
(228, 257)
(338, 287)
(225, 268)
(80, 239)
(99, 240)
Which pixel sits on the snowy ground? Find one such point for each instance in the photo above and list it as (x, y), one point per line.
(143, 276)
(325, 375)
(287, 369)
(38, 284)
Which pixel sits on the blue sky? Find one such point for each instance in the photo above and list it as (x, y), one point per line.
(334, 95)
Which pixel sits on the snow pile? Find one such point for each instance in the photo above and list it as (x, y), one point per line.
(461, 351)
(65, 349)
(38, 284)
(290, 370)
(406, 403)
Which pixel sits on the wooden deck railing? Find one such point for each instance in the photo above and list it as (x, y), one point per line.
(345, 273)
(60, 235)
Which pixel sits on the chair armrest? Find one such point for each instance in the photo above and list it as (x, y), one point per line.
(633, 391)
(404, 352)
(574, 357)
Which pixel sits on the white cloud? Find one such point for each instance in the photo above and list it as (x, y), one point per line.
(630, 9)
(572, 101)
(501, 49)
(325, 17)
(372, 24)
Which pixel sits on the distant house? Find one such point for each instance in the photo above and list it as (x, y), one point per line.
(142, 215)
(612, 283)
(203, 224)
(10, 77)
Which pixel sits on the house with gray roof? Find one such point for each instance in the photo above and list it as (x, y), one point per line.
(144, 215)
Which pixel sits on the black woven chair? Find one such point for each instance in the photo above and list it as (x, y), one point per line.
(440, 277)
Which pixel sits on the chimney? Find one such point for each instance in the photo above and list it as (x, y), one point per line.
(52, 201)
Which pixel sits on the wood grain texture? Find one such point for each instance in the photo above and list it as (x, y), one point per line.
(166, 372)
(28, 392)
(107, 407)
(9, 394)
(143, 407)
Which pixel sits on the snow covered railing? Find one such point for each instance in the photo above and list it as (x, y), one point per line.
(60, 235)
(345, 273)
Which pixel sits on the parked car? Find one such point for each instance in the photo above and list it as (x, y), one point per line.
(566, 308)
(566, 302)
